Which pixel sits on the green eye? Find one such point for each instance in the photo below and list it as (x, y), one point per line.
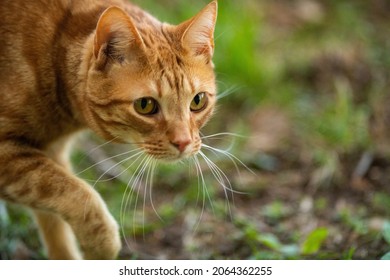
(146, 106)
(199, 102)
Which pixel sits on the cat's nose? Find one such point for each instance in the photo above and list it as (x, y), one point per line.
(179, 136)
(181, 144)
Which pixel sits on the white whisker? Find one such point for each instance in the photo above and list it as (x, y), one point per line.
(91, 151)
(232, 157)
(200, 189)
(107, 159)
(93, 186)
(141, 179)
(205, 191)
(228, 92)
(139, 154)
(221, 177)
(153, 167)
(127, 196)
(101, 145)
(214, 136)
(218, 174)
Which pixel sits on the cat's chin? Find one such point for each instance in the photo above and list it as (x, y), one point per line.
(175, 158)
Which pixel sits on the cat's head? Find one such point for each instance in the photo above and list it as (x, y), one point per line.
(150, 83)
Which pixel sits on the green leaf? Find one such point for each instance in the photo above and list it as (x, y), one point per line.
(386, 231)
(386, 256)
(270, 241)
(290, 250)
(314, 241)
(349, 254)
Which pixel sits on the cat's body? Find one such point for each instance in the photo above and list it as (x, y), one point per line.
(67, 65)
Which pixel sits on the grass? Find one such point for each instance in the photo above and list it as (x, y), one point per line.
(320, 68)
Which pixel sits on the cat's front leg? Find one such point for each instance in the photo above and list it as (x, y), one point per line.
(57, 236)
(29, 177)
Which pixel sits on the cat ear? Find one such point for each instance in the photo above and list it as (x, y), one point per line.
(198, 33)
(116, 37)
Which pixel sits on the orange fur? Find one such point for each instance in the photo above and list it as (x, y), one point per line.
(67, 65)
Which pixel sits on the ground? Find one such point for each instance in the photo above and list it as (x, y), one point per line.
(309, 160)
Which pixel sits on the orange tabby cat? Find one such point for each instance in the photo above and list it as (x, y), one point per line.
(67, 65)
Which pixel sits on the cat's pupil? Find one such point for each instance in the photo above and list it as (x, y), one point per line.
(144, 103)
(197, 99)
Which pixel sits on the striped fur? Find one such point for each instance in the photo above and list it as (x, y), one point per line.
(69, 65)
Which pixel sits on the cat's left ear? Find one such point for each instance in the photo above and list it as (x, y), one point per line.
(198, 32)
(116, 37)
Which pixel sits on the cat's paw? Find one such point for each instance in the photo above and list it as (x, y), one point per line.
(96, 230)
(103, 240)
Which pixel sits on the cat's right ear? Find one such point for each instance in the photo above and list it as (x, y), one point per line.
(116, 38)
(198, 32)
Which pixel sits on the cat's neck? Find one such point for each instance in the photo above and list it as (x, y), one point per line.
(73, 60)
(75, 77)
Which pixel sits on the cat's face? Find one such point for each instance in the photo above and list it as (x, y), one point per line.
(154, 86)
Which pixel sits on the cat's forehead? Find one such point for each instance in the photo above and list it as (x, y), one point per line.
(174, 87)
(172, 73)
(158, 40)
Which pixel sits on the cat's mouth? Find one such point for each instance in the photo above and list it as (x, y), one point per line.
(170, 157)
(169, 152)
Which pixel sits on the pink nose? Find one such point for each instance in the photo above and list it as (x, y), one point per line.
(181, 144)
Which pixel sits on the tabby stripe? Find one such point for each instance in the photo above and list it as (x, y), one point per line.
(20, 140)
(108, 122)
(110, 103)
(205, 115)
(134, 123)
(159, 88)
(160, 64)
(192, 86)
(179, 61)
(170, 82)
(177, 85)
(99, 122)
(22, 166)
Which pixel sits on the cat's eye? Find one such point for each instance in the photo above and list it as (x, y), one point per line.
(199, 102)
(146, 106)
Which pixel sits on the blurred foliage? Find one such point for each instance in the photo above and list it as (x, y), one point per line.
(386, 236)
(309, 87)
(314, 241)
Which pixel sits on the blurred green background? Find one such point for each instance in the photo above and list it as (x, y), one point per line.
(305, 84)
